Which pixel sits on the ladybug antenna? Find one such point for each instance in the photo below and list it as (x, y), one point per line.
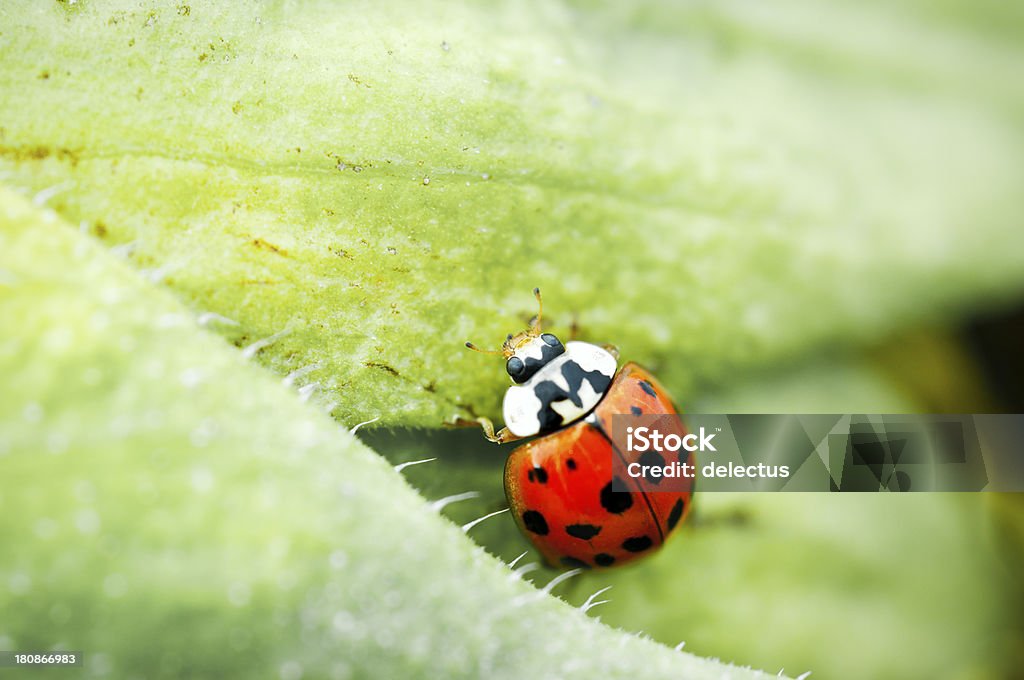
(535, 324)
(483, 351)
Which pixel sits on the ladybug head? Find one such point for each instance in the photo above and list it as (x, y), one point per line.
(526, 352)
(532, 353)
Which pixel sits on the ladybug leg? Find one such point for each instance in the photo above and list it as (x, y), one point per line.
(500, 437)
(612, 349)
(574, 328)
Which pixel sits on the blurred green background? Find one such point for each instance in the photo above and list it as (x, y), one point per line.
(223, 226)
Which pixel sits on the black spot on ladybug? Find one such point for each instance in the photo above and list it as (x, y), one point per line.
(571, 464)
(615, 502)
(675, 515)
(646, 387)
(637, 543)
(548, 393)
(582, 531)
(654, 459)
(604, 560)
(538, 474)
(522, 371)
(535, 522)
(684, 456)
(635, 410)
(574, 563)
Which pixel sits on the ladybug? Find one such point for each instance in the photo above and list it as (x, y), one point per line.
(560, 485)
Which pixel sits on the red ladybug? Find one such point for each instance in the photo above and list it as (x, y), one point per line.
(559, 486)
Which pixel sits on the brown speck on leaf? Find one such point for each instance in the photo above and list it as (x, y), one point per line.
(44, 75)
(38, 153)
(382, 366)
(100, 230)
(184, 10)
(430, 387)
(236, 108)
(260, 243)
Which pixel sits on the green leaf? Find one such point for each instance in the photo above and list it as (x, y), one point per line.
(710, 187)
(171, 511)
(354, 189)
